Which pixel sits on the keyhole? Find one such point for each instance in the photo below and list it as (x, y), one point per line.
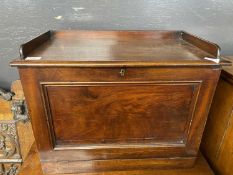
(122, 72)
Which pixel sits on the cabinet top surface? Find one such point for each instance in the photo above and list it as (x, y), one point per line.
(117, 47)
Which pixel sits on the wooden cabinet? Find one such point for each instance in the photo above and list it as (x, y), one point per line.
(217, 144)
(118, 100)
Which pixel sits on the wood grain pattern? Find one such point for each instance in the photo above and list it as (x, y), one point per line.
(88, 116)
(5, 109)
(116, 15)
(109, 48)
(113, 117)
(217, 140)
(37, 76)
(115, 165)
(117, 46)
(32, 166)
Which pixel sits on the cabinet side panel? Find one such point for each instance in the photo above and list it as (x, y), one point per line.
(32, 92)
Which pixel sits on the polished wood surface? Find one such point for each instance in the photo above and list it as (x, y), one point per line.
(107, 48)
(117, 46)
(217, 140)
(32, 166)
(122, 117)
(41, 111)
(102, 118)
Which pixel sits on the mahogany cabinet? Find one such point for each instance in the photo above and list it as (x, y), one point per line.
(118, 100)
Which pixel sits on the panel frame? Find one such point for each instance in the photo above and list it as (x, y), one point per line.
(45, 97)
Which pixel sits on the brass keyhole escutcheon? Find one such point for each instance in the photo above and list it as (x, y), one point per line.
(122, 72)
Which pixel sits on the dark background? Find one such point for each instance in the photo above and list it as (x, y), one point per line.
(22, 20)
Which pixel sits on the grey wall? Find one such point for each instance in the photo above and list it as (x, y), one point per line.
(21, 20)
